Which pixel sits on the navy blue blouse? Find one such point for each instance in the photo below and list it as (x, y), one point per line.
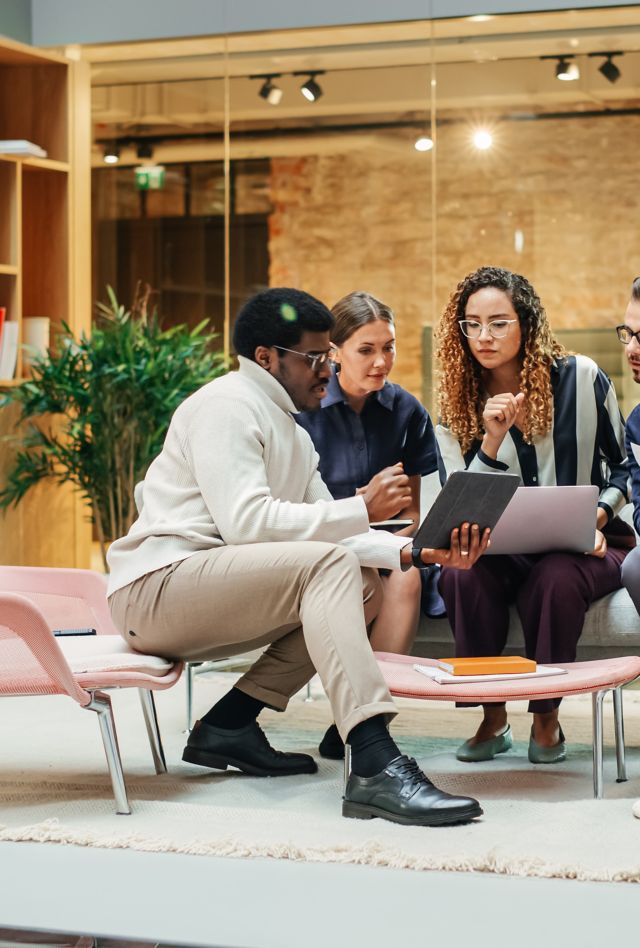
(393, 426)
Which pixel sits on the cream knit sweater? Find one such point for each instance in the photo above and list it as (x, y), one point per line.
(235, 468)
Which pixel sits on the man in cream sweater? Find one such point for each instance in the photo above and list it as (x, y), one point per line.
(239, 545)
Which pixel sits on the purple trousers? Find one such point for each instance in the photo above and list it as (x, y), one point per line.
(552, 593)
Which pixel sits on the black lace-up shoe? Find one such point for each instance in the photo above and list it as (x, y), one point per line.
(246, 748)
(401, 793)
(332, 746)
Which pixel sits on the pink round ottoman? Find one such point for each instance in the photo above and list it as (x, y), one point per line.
(595, 678)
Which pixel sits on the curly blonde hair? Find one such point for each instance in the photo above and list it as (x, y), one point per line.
(460, 390)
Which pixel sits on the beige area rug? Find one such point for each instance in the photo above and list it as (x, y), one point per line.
(537, 821)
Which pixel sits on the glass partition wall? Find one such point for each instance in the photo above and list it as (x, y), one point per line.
(393, 158)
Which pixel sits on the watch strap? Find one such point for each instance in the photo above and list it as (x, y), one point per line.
(416, 559)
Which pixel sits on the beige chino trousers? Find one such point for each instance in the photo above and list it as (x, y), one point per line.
(302, 599)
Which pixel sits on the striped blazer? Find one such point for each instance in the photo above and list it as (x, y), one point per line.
(584, 446)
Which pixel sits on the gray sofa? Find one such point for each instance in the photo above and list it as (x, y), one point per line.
(611, 629)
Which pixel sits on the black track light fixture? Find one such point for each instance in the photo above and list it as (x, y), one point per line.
(310, 89)
(145, 150)
(608, 68)
(269, 91)
(567, 69)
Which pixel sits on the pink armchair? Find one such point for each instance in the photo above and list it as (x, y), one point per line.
(33, 602)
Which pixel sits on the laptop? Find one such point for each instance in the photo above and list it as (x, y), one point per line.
(544, 519)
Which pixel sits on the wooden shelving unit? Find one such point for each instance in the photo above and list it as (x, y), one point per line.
(44, 263)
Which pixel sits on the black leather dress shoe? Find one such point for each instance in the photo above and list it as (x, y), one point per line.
(332, 746)
(401, 793)
(246, 748)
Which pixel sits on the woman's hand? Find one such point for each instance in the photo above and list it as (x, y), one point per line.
(467, 546)
(600, 547)
(500, 413)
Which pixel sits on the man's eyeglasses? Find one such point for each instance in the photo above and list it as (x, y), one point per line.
(625, 335)
(314, 359)
(497, 329)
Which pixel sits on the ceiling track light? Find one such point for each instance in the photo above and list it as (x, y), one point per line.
(111, 155)
(608, 68)
(310, 89)
(567, 70)
(269, 91)
(144, 150)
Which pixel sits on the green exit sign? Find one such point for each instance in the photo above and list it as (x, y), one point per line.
(149, 177)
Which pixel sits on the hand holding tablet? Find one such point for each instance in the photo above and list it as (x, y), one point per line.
(466, 546)
(467, 497)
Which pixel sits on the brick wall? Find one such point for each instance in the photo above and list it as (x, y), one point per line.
(363, 220)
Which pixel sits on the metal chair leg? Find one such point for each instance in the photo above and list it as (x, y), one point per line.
(597, 699)
(190, 670)
(618, 717)
(153, 731)
(347, 764)
(101, 704)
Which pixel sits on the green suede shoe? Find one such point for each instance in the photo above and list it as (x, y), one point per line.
(547, 755)
(486, 750)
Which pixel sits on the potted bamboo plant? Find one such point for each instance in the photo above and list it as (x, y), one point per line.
(95, 410)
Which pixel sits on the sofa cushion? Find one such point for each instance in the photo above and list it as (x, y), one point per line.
(611, 629)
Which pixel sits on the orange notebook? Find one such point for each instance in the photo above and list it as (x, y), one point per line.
(488, 665)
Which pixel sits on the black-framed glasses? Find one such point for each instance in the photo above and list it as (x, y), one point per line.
(625, 335)
(497, 329)
(314, 359)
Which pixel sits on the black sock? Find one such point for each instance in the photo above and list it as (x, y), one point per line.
(372, 748)
(234, 710)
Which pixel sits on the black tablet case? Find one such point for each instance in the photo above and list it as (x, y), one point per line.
(467, 496)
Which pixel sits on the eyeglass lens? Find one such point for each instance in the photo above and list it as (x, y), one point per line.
(496, 329)
(625, 335)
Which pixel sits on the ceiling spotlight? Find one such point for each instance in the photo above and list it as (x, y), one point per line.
(608, 68)
(482, 139)
(567, 71)
(111, 154)
(144, 150)
(424, 143)
(269, 90)
(310, 89)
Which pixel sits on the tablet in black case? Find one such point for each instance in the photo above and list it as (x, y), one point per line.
(467, 496)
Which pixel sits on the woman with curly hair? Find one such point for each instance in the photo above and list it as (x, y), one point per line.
(512, 399)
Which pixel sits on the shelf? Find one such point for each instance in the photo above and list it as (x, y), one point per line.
(44, 164)
(31, 163)
(14, 53)
(45, 266)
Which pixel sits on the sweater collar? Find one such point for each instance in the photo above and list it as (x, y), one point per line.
(267, 384)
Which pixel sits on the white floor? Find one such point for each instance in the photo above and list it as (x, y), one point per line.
(191, 900)
(258, 903)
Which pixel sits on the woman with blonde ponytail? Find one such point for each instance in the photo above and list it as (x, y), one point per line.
(512, 399)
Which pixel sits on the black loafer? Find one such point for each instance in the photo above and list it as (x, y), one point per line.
(401, 793)
(332, 746)
(246, 748)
